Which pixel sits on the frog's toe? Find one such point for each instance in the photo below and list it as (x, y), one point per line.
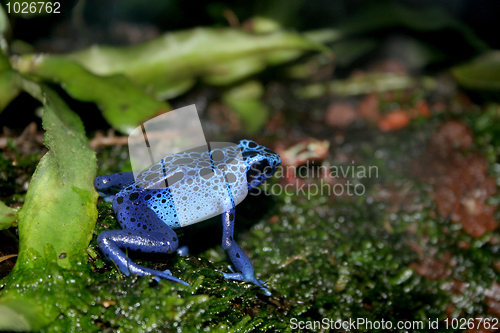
(157, 278)
(170, 277)
(262, 286)
(167, 275)
(183, 251)
(107, 198)
(249, 279)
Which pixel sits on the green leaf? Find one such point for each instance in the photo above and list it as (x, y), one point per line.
(246, 101)
(12, 318)
(171, 64)
(55, 223)
(482, 73)
(60, 206)
(375, 82)
(123, 105)
(7, 216)
(8, 89)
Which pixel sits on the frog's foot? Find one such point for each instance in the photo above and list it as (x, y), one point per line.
(144, 271)
(107, 198)
(244, 268)
(183, 251)
(167, 275)
(249, 279)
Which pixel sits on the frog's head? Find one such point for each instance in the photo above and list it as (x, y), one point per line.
(261, 163)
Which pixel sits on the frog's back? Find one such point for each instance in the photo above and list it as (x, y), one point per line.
(193, 186)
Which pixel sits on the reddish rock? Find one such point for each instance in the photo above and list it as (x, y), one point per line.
(433, 268)
(394, 121)
(368, 107)
(461, 182)
(340, 114)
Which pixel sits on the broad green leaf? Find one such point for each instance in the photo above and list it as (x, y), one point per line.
(123, 105)
(264, 25)
(8, 89)
(482, 73)
(376, 82)
(7, 216)
(60, 206)
(12, 316)
(245, 101)
(56, 221)
(171, 64)
(324, 35)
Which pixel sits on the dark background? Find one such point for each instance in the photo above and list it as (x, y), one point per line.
(98, 15)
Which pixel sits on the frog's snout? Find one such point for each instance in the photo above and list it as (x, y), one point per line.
(100, 183)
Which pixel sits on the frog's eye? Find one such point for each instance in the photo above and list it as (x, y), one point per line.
(257, 172)
(249, 154)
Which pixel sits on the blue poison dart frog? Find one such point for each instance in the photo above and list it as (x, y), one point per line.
(149, 212)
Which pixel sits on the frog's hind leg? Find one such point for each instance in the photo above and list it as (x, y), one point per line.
(157, 237)
(108, 185)
(244, 268)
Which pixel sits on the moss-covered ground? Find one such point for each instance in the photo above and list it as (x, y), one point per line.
(323, 256)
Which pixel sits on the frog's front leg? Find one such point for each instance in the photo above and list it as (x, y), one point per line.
(143, 232)
(244, 268)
